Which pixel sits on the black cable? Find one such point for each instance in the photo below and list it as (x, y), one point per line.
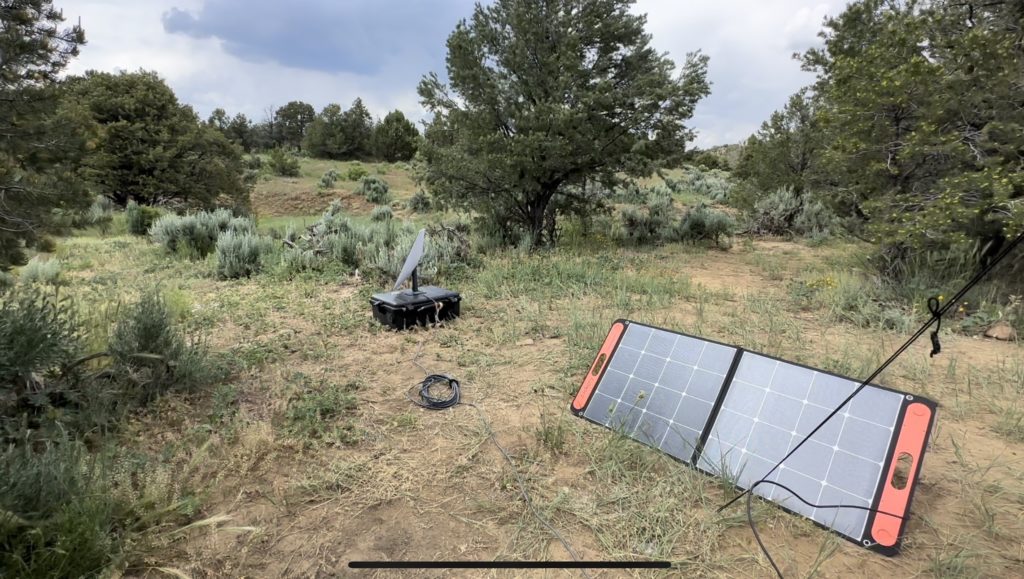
(936, 316)
(433, 401)
(453, 398)
(757, 535)
(920, 332)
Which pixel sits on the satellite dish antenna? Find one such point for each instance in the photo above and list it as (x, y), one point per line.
(411, 263)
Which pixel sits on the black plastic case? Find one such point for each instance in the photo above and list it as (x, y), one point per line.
(404, 309)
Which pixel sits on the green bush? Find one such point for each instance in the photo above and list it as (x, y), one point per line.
(712, 184)
(419, 202)
(195, 235)
(356, 172)
(702, 223)
(140, 217)
(375, 190)
(783, 212)
(328, 179)
(283, 163)
(100, 214)
(649, 224)
(152, 354)
(378, 248)
(39, 335)
(381, 213)
(7, 281)
(66, 512)
(42, 271)
(241, 254)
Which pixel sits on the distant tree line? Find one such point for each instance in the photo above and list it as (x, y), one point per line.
(126, 137)
(332, 134)
(914, 129)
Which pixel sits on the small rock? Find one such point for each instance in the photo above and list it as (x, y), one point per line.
(526, 342)
(1001, 331)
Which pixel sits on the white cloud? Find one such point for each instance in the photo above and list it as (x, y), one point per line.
(750, 43)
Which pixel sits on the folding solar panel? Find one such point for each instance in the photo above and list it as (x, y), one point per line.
(736, 414)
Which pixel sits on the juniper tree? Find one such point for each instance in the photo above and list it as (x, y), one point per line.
(545, 96)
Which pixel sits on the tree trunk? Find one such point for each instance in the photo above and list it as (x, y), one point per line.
(538, 215)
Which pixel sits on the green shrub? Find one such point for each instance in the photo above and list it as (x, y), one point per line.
(39, 335)
(702, 223)
(283, 163)
(775, 213)
(140, 217)
(816, 220)
(649, 224)
(322, 411)
(381, 213)
(241, 254)
(419, 202)
(100, 214)
(712, 184)
(152, 354)
(42, 271)
(67, 512)
(378, 248)
(375, 190)
(329, 178)
(195, 235)
(7, 281)
(356, 172)
(783, 212)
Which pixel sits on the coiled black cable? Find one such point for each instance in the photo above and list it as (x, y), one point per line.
(447, 398)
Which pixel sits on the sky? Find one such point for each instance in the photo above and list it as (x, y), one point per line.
(251, 56)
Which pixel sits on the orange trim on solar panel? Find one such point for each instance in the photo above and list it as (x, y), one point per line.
(886, 528)
(603, 355)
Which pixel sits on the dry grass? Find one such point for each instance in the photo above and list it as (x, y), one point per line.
(426, 485)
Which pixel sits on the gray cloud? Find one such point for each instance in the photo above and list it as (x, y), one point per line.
(361, 37)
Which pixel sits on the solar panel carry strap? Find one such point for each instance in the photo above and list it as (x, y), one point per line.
(735, 414)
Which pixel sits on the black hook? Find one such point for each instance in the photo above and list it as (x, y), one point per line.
(936, 312)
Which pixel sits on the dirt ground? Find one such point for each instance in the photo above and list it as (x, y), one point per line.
(425, 485)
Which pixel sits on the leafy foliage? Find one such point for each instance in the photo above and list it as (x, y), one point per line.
(924, 117)
(328, 179)
(381, 213)
(283, 163)
(395, 138)
(39, 335)
(69, 512)
(42, 140)
(140, 217)
(783, 152)
(419, 202)
(356, 172)
(41, 271)
(195, 235)
(241, 254)
(702, 223)
(375, 190)
(291, 121)
(150, 148)
(545, 97)
(378, 249)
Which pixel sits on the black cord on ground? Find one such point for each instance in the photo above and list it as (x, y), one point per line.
(757, 535)
(453, 397)
(936, 316)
